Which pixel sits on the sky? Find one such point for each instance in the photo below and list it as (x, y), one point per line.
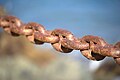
(81, 17)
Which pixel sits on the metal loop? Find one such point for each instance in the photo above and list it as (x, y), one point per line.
(117, 59)
(48, 38)
(62, 34)
(91, 53)
(10, 23)
(75, 44)
(5, 21)
(39, 34)
(34, 28)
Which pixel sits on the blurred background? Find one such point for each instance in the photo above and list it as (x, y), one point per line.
(42, 62)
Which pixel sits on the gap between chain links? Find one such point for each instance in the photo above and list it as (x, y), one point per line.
(92, 47)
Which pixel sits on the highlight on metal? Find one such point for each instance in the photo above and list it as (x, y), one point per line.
(92, 47)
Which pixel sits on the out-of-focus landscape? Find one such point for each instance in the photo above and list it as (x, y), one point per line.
(22, 60)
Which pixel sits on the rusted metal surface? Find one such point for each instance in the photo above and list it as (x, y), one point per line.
(92, 47)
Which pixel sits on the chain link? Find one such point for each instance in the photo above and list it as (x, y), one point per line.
(92, 47)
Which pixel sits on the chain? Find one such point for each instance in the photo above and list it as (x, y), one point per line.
(92, 47)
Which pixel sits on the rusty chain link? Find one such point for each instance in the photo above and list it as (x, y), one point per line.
(92, 47)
